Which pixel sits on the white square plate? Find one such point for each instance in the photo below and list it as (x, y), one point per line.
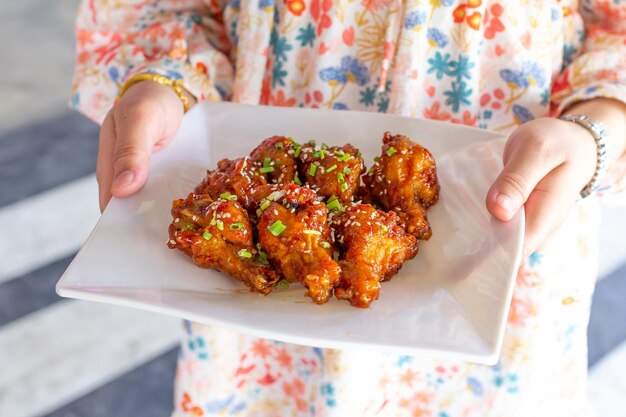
(450, 301)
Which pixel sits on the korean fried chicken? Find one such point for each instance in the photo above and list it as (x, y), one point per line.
(404, 179)
(232, 180)
(218, 235)
(276, 157)
(332, 171)
(293, 231)
(373, 246)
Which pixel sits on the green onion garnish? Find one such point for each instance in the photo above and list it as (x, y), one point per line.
(376, 158)
(244, 254)
(347, 170)
(384, 228)
(324, 146)
(207, 236)
(317, 154)
(265, 170)
(263, 257)
(340, 178)
(334, 204)
(311, 232)
(296, 179)
(228, 196)
(391, 151)
(345, 157)
(312, 142)
(344, 186)
(279, 146)
(277, 228)
(283, 283)
(236, 226)
(220, 225)
(325, 245)
(312, 170)
(187, 228)
(331, 169)
(267, 161)
(265, 205)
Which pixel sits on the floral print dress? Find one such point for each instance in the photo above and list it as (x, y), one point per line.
(489, 64)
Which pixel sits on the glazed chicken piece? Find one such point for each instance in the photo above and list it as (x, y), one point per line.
(332, 171)
(276, 157)
(233, 180)
(404, 179)
(218, 235)
(294, 233)
(373, 245)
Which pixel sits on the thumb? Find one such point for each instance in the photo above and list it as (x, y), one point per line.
(136, 130)
(525, 167)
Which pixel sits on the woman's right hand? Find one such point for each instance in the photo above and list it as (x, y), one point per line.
(144, 120)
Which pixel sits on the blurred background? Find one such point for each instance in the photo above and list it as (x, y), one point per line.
(65, 358)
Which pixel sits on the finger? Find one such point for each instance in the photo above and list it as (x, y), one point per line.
(524, 167)
(547, 207)
(104, 164)
(136, 131)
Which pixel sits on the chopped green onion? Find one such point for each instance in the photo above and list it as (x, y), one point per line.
(259, 212)
(186, 228)
(325, 245)
(391, 151)
(228, 196)
(384, 228)
(334, 204)
(347, 170)
(340, 178)
(220, 225)
(244, 254)
(311, 232)
(279, 146)
(317, 154)
(312, 170)
(324, 146)
(339, 152)
(277, 228)
(265, 204)
(344, 186)
(292, 140)
(207, 236)
(345, 157)
(236, 226)
(267, 161)
(213, 220)
(296, 179)
(376, 158)
(297, 152)
(312, 142)
(283, 283)
(265, 170)
(331, 169)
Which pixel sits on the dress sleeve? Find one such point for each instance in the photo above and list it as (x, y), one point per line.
(181, 39)
(598, 71)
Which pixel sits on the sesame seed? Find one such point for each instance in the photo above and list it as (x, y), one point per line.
(176, 220)
(172, 241)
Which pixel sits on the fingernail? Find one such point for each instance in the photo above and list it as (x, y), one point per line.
(505, 202)
(124, 178)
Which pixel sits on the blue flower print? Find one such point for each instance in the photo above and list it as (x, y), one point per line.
(533, 73)
(522, 114)
(461, 68)
(414, 19)
(264, 4)
(306, 35)
(368, 96)
(437, 38)
(235, 4)
(333, 75)
(328, 391)
(514, 79)
(475, 386)
(340, 106)
(458, 95)
(351, 69)
(198, 346)
(440, 65)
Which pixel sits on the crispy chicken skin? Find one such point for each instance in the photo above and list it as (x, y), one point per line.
(238, 177)
(404, 179)
(332, 170)
(218, 235)
(293, 231)
(275, 158)
(373, 245)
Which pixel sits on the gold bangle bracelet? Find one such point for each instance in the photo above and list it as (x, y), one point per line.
(176, 85)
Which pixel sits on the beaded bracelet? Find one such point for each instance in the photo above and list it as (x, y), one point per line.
(176, 85)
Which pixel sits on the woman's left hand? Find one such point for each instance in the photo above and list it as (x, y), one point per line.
(547, 162)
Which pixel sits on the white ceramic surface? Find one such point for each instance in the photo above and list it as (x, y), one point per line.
(451, 301)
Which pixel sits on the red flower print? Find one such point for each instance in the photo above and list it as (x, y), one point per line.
(467, 119)
(348, 35)
(261, 348)
(202, 69)
(280, 100)
(459, 13)
(188, 406)
(296, 7)
(433, 113)
(474, 20)
(284, 359)
(319, 11)
(474, 3)
(495, 24)
(266, 379)
(371, 5)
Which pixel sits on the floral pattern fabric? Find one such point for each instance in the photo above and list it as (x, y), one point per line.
(489, 64)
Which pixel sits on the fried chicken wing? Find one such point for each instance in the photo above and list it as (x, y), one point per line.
(233, 179)
(404, 179)
(373, 245)
(218, 235)
(332, 171)
(294, 233)
(275, 157)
